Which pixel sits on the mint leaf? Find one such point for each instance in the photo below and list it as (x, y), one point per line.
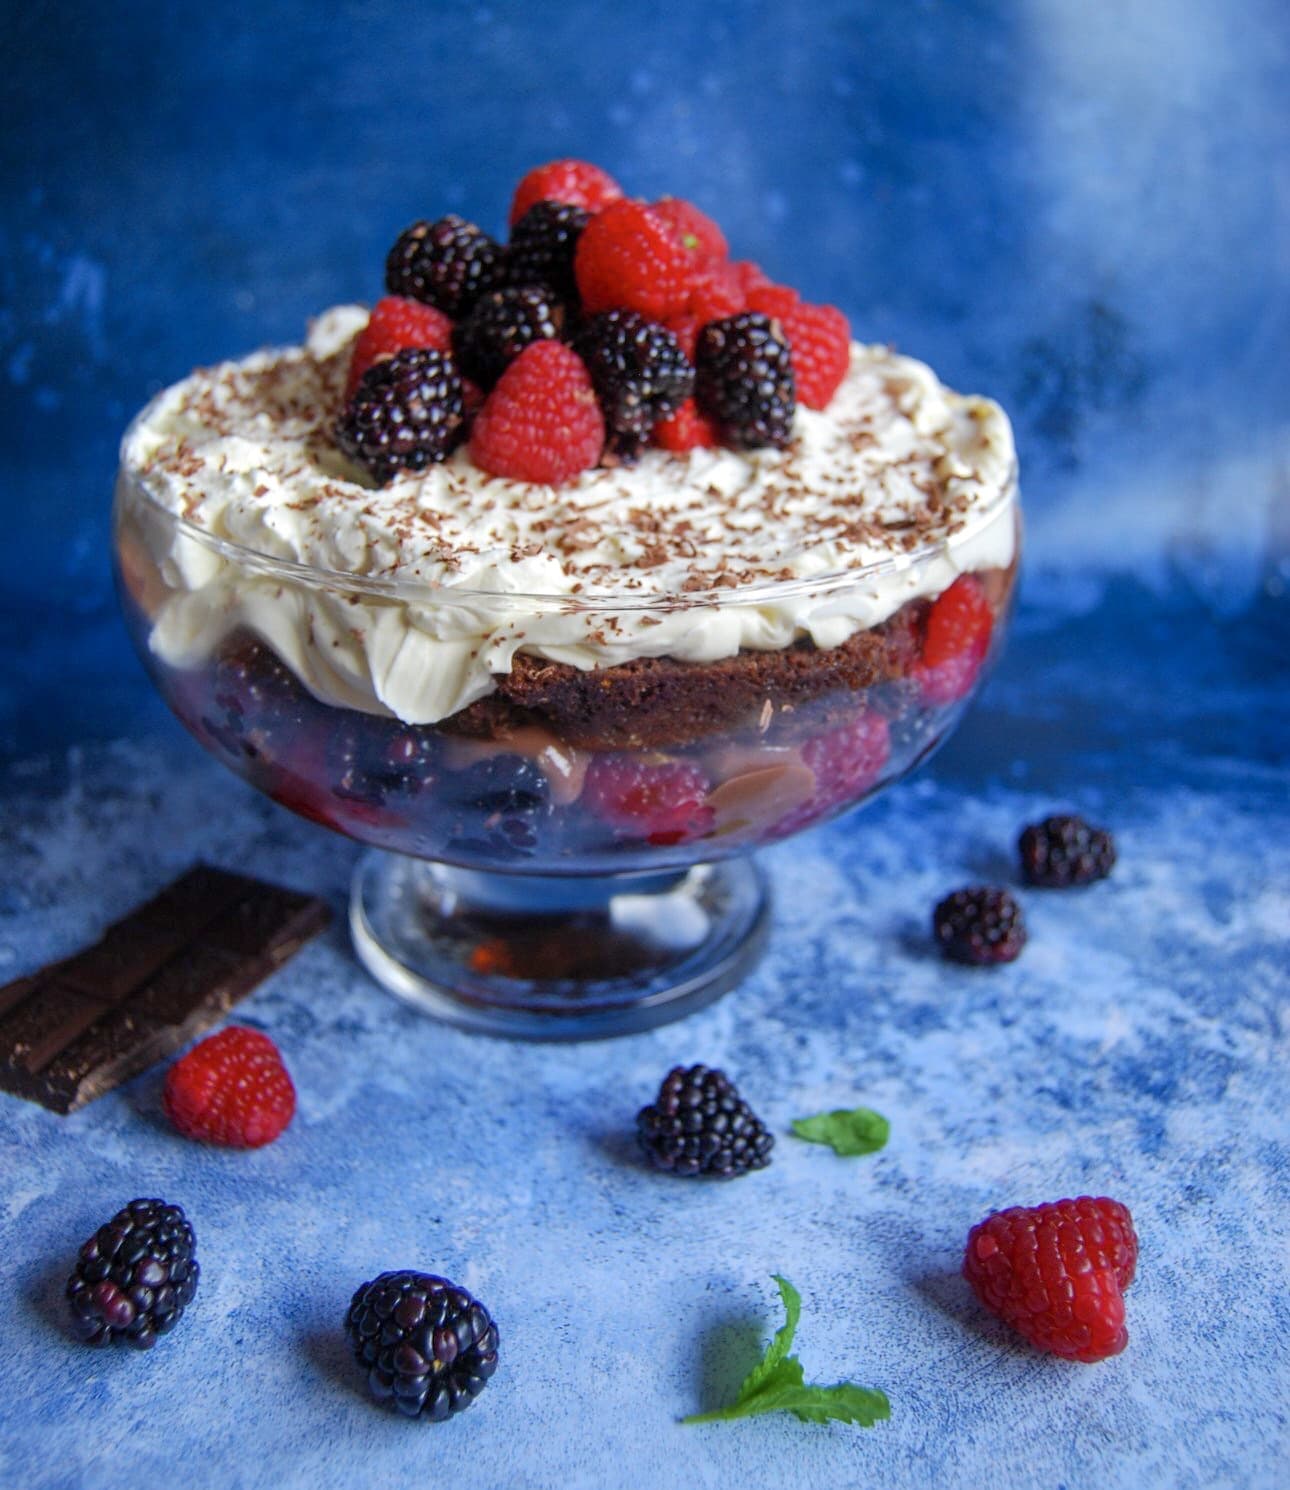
(777, 1384)
(859, 1130)
(779, 1347)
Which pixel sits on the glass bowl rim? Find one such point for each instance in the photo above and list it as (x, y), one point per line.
(422, 592)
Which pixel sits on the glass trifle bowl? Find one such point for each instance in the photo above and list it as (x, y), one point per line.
(561, 788)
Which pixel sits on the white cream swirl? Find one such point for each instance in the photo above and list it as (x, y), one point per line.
(692, 556)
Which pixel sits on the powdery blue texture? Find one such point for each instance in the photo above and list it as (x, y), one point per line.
(1136, 1049)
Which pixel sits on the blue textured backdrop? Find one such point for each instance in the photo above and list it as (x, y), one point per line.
(1081, 209)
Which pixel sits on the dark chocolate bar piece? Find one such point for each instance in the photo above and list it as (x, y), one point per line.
(153, 981)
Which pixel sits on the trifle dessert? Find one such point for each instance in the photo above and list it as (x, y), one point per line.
(589, 553)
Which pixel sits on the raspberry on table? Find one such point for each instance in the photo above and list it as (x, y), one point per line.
(956, 639)
(409, 412)
(687, 429)
(744, 380)
(639, 373)
(662, 802)
(449, 263)
(628, 259)
(427, 1345)
(1065, 850)
(695, 231)
(541, 422)
(819, 339)
(500, 325)
(231, 1089)
(575, 182)
(542, 247)
(979, 925)
(1057, 1273)
(395, 325)
(699, 1124)
(135, 1276)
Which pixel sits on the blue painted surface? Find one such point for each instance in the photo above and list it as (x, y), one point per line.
(1068, 206)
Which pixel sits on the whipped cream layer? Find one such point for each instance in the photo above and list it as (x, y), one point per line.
(692, 556)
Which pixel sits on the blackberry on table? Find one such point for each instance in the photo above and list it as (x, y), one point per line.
(500, 325)
(979, 925)
(429, 1348)
(639, 372)
(743, 380)
(507, 799)
(135, 1276)
(448, 264)
(542, 247)
(699, 1124)
(1065, 850)
(408, 412)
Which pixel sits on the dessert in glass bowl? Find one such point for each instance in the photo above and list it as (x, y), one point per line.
(565, 601)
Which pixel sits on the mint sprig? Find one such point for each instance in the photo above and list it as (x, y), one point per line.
(777, 1384)
(857, 1130)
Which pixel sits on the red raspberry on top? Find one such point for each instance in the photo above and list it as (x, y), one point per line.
(541, 422)
(576, 182)
(1057, 1273)
(819, 339)
(629, 259)
(396, 325)
(750, 275)
(956, 639)
(231, 1089)
(687, 429)
(694, 230)
(717, 293)
(662, 803)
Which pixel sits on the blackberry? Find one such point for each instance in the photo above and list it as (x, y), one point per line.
(258, 694)
(699, 1124)
(408, 411)
(500, 325)
(639, 372)
(371, 764)
(135, 1276)
(743, 380)
(542, 247)
(427, 1345)
(1063, 851)
(508, 798)
(448, 263)
(979, 925)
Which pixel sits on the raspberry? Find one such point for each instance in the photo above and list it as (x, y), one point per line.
(717, 294)
(639, 373)
(663, 803)
(819, 339)
(498, 328)
(628, 259)
(1057, 1273)
(693, 230)
(448, 263)
(231, 1089)
(955, 641)
(541, 422)
(699, 1124)
(396, 323)
(407, 413)
(427, 1346)
(749, 274)
(576, 182)
(772, 300)
(744, 380)
(542, 247)
(846, 762)
(687, 429)
(1064, 851)
(979, 925)
(135, 1276)
(685, 328)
